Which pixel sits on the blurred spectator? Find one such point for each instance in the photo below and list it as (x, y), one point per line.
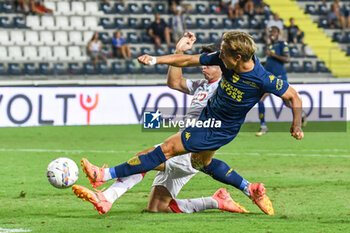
(159, 31)
(23, 5)
(295, 35)
(259, 6)
(232, 8)
(336, 15)
(277, 22)
(120, 48)
(173, 4)
(247, 6)
(179, 26)
(38, 7)
(94, 48)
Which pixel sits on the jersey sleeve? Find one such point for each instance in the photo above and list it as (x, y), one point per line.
(272, 84)
(285, 48)
(210, 58)
(192, 85)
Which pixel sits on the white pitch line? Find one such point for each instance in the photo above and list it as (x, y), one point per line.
(5, 230)
(267, 153)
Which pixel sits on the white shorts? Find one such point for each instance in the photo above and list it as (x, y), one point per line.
(178, 171)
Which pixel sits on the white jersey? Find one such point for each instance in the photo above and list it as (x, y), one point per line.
(202, 91)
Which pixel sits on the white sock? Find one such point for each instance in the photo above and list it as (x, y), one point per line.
(120, 186)
(246, 190)
(196, 204)
(108, 175)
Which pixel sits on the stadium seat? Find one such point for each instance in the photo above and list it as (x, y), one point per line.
(46, 38)
(17, 37)
(227, 23)
(6, 22)
(74, 69)
(308, 67)
(3, 70)
(117, 68)
(145, 23)
(214, 23)
(295, 67)
(7, 8)
(61, 37)
(134, 8)
(4, 38)
(201, 38)
(160, 51)
(214, 37)
(293, 51)
(145, 38)
(310, 9)
(76, 22)
(132, 22)
(214, 9)
(14, 69)
(30, 69)
(107, 8)
(160, 8)
(60, 53)
(323, 23)
(33, 21)
(15, 53)
(47, 22)
(201, 23)
(78, 8)
(45, 53)
(348, 51)
(30, 53)
(321, 67)
(120, 23)
(107, 23)
(63, 8)
(131, 68)
(239, 23)
(74, 53)
(62, 23)
(191, 70)
(346, 37)
(119, 8)
(89, 68)
(91, 8)
(147, 8)
(91, 23)
(104, 37)
(132, 38)
(134, 52)
(322, 9)
(31, 38)
(75, 38)
(171, 49)
(200, 9)
(3, 53)
(146, 50)
(253, 23)
(19, 22)
(337, 37)
(148, 69)
(87, 36)
(59, 69)
(45, 69)
(51, 5)
(190, 23)
(102, 68)
(161, 69)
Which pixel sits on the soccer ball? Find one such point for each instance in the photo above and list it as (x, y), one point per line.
(62, 172)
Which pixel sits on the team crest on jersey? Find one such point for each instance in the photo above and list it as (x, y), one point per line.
(271, 78)
(235, 78)
(187, 135)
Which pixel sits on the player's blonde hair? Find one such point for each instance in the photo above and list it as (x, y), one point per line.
(240, 43)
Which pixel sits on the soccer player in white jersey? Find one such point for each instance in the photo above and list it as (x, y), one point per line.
(176, 172)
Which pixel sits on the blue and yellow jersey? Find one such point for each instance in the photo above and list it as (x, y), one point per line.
(272, 64)
(237, 93)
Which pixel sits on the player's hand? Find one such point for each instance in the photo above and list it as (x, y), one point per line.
(145, 59)
(268, 52)
(186, 42)
(297, 132)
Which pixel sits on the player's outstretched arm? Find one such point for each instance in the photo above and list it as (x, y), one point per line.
(178, 60)
(292, 95)
(175, 80)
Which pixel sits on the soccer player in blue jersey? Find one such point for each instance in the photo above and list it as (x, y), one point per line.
(243, 84)
(277, 54)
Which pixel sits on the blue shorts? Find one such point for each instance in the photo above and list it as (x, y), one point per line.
(200, 139)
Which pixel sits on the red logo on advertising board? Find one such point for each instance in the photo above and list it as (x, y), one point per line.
(90, 106)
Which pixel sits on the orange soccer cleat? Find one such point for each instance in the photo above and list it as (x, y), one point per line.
(97, 198)
(226, 203)
(93, 173)
(258, 196)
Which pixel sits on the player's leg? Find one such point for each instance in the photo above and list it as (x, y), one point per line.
(138, 164)
(261, 108)
(159, 200)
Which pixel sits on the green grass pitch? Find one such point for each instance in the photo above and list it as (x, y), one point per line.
(308, 182)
